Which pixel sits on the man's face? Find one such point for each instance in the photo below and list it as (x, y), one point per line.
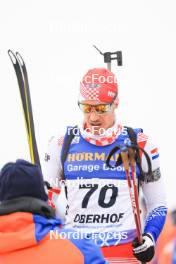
(96, 121)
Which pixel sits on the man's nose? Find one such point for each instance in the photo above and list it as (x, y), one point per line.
(94, 116)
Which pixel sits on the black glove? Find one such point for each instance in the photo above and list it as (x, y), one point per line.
(146, 250)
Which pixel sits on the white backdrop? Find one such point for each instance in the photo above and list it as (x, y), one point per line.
(55, 38)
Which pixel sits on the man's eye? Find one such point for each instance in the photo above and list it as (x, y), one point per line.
(87, 109)
(101, 108)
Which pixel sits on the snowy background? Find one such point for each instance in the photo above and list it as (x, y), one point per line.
(55, 39)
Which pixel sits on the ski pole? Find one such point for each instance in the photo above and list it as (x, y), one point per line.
(135, 188)
(127, 162)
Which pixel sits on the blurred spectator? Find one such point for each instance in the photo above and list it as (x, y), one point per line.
(166, 245)
(26, 221)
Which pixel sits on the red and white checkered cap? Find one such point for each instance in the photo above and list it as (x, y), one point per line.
(99, 84)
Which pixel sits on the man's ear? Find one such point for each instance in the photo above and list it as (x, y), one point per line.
(116, 103)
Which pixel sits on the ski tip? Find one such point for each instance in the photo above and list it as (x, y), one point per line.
(19, 57)
(12, 56)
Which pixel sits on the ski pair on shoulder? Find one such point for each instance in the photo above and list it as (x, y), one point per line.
(23, 83)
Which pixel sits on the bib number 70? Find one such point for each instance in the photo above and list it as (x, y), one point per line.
(102, 195)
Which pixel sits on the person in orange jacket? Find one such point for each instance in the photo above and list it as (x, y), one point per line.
(168, 255)
(166, 246)
(29, 230)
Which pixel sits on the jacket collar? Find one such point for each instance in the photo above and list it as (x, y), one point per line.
(27, 204)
